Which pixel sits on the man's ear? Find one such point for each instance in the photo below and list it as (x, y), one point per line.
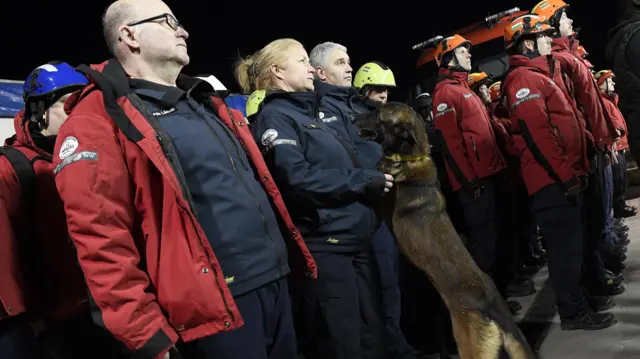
(128, 37)
(320, 74)
(454, 60)
(529, 44)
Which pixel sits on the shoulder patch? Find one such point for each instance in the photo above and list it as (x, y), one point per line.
(467, 95)
(268, 137)
(441, 107)
(69, 146)
(523, 92)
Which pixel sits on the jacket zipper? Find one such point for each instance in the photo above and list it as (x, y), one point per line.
(264, 220)
(202, 246)
(475, 149)
(583, 140)
(558, 135)
(493, 136)
(246, 186)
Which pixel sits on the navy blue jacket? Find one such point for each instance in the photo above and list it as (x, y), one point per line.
(328, 194)
(231, 205)
(339, 106)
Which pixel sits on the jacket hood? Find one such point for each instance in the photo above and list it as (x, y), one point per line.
(616, 33)
(456, 76)
(28, 135)
(347, 94)
(301, 102)
(628, 17)
(540, 63)
(561, 43)
(611, 97)
(325, 89)
(183, 82)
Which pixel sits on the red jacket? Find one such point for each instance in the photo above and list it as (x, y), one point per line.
(55, 289)
(148, 264)
(502, 128)
(471, 150)
(587, 95)
(611, 106)
(549, 136)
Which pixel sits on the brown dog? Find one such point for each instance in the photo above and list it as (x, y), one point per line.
(482, 322)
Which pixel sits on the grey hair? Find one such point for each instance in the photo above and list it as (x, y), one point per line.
(117, 14)
(320, 53)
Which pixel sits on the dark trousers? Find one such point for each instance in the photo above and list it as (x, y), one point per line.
(17, 339)
(340, 315)
(633, 126)
(593, 215)
(560, 223)
(386, 254)
(74, 338)
(486, 242)
(79, 337)
(267, 332)
(607, 196)
(619, 172)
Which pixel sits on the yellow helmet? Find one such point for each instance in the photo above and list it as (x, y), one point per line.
(375, 74)
(254, 102)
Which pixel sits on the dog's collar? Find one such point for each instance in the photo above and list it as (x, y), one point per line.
(406, 158)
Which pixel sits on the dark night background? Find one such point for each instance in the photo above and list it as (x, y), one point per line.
(39, 31)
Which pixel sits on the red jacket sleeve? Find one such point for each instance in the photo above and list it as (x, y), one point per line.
(98, 194)
(616, 117)
(502, 129)
(447, 120)
(12, 291)
(530, 119)
(590, 99)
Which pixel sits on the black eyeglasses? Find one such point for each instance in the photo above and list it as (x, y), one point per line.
(168, 18)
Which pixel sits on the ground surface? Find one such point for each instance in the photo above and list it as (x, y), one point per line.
(622, 341)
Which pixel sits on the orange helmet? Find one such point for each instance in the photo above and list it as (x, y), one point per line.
(449, 44)
(524, 25)
(548, 8)
(494, 91)
(476, 79)
(582, 52)
(602, 76)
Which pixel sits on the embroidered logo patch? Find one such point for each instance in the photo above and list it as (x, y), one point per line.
(523, 92)
(268, 137)
(69, 146)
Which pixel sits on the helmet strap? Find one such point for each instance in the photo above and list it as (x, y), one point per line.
(36, 114)
(456, 64)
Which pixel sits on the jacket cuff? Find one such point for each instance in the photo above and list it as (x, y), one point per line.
(158, 345)
(375, 182)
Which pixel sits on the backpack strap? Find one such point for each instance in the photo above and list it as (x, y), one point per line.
(114, 84)
(26, 176)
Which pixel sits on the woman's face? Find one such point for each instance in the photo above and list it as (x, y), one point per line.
(295, 74)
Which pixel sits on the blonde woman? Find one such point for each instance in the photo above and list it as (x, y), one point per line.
(330, 198)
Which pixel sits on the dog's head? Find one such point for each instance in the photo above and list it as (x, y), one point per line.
(400, 131)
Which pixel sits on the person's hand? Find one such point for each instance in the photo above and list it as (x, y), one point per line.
(389, 182)
(477, 191)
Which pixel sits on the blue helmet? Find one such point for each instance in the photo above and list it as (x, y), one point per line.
(47, 83)
(52, 79)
